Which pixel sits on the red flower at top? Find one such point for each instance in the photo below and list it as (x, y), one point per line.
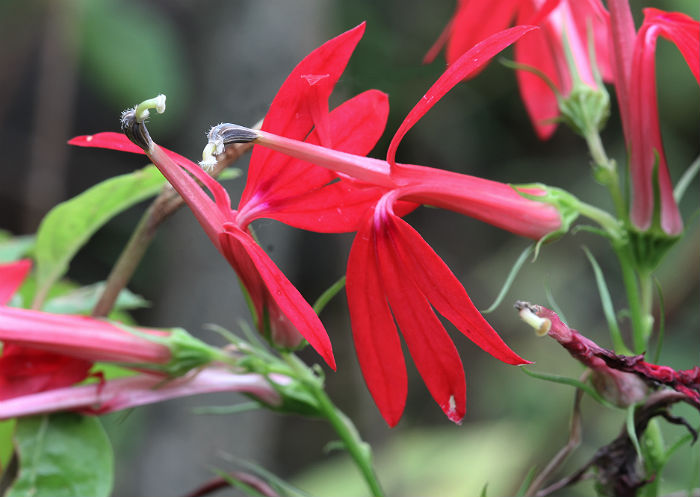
(395, 278)
(475, 20)
(635, 82)
(279, 187)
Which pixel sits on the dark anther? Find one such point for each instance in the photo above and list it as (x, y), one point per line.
(231, 133)
(136, 130)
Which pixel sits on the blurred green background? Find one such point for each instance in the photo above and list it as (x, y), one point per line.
(71, 66)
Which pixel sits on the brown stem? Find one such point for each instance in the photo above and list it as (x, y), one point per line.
(167, 202)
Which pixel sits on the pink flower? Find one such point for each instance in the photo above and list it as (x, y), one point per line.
(394, 276)
(475, 20)
(26, 370)
(635, 82)
(134, 391)
(43, 351)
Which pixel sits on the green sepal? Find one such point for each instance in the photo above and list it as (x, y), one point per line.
(585, 110)
(565, 203)
(297, 398)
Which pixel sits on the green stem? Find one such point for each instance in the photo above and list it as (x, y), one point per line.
(606, 172)
(358, 449)
(604, 219)
(634, 301)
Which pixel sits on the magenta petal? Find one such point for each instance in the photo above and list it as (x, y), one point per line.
(431, 348)
(469, 63)
(12, 275)
(446, 294)
(376, 339)
(270, 290)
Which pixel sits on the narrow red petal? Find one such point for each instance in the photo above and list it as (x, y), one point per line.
(118, 141)
(540, 101)
(289, 114)
(288, 310)
(12, 275)
(433, 352)
(446, 294)
(465, 66)
(376, 339)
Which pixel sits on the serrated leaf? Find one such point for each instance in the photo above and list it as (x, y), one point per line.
(82, 300)
(62, 455)
(70, 224)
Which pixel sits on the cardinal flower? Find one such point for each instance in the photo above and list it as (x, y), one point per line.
(43, 351)
(560, 20)
(635, 82)
(394, 277)
(279, 187)
(26, 370)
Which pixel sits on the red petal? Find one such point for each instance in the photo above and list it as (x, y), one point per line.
(118, 141)
(376, 340)
(476, 20)
(464, 67)
(645, 134)
(271, 290)
(24, 371)
(289, 115)
(537, 50)
(12, 275)
(433, 352)
(446, 294)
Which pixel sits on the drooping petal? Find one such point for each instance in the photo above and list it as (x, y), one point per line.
(376, 339)
(431, 348)
(646, 146)
(467, 65)
(12, 275)
(539, 50)
(622, 36)
(591, 15)
(290, 112)
(446, 294)
(290, 315)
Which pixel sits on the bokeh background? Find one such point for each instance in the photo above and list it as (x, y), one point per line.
(70, 66)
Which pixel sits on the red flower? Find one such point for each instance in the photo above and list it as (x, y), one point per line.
(394, 275)
(635, 82)
(475, 20)
(26, 370)
(279, 187)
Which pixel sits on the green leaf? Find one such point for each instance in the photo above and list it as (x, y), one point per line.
(608, 309)
(326, 296)
(83, 299)
(509, 280)
(14, 248)
(532, 472)
(70, 224)
(568, 381)
(632, 430)
(62, 455)
(686, 180)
